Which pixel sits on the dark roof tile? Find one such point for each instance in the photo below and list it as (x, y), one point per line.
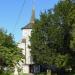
(28, 26)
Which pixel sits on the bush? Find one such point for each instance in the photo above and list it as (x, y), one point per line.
(6, 73)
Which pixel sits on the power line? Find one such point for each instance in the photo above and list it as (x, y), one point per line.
(19, 16)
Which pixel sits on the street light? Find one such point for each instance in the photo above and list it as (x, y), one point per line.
(24, 41)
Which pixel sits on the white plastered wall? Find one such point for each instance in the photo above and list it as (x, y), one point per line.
(26, 33)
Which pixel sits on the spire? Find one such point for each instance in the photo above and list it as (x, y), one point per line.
(33, 16)
(32, 20)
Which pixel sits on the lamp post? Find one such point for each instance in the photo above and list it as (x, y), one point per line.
(24, 41)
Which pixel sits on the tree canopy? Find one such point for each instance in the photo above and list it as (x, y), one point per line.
(10, 54)
(52, 39)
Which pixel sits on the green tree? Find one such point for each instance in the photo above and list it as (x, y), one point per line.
(71, 20)
(66, 11)
(53, 36)
(47, 40)
(10, 54)
(62, 9)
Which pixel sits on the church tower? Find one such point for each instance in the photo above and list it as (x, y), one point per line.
(25, 42)
(28, 66)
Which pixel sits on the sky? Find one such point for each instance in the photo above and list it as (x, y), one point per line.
(14, 15)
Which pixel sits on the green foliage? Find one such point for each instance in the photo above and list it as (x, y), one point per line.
(6, 72)
(53, 36)
(46, 39)
(9, 52)
(61, 60)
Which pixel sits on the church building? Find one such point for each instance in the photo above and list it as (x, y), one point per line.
(28, 65)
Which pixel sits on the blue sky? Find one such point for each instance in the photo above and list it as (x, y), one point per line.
(10, 9)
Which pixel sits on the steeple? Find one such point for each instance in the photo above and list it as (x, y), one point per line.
(32, 20)
(33, 12)
(33, 16)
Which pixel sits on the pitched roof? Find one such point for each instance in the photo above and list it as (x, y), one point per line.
(28, 26)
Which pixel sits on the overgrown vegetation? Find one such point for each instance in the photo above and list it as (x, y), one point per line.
(10, 54)
(53, 37)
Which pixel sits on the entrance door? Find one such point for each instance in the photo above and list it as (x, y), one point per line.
(31, 68)
(34, 68)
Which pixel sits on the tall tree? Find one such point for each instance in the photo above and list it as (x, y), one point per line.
(51, 35)
(47, 40)
(65, 10)
(71, 20)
